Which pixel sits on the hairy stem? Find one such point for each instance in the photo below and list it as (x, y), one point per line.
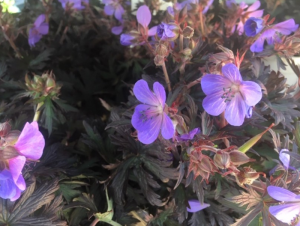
(191, 84)
(166, 76)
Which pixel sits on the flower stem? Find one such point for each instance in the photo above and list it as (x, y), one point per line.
(181, 42)
(166, 76)
(37, 112)
(94, 222)
(191, 84)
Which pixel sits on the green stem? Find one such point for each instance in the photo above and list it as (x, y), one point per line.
(37, 112)
(166, 76)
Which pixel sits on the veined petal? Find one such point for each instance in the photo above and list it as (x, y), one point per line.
(251, 92)
(254, 6)
(21, 183)
(196, 206)
(286, 212)
(41, 18)
(167, 128)
(285, 158)
(211, 83)
(257, 13)
(232, 73)
(148, 136)
(213, 104)
(16, 165)
(286, 27)
(236, 110)
(31, 142)
(160, 93)
(141, 119)
(142, 93)
(143, 16)
(281, 194)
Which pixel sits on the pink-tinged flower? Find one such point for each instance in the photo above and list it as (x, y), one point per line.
(143, 16)
(247, 12)
(272, 34)
(167, 31)
(150, 117)
(189, 136)
(229, 93)
(30, 144)
(8, 188)
(114, 7)
(290, 210)
(253, 26)
(39, 29)
(196, 206)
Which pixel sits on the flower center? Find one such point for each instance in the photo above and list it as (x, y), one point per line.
(230, 92)
(151, 112)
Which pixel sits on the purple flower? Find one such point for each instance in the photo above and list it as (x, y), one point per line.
(143, 16)
(229, 93)
(245, 14)
(167, 31)
(288, 211)
(149, 118)
(39, 29)
(253, 26)
(129, 39)
(196, 206)
(8, 188)
(284, 158)
(30, 144)
(190, 135)
(272, 34)
(117, 29)
(113, 7)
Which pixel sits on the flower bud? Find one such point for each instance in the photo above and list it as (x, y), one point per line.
(4, 129)
(168, 32)
(247, 175)
(188, 32)
(186, 52)
(161, 50)
(239, 158)
(222, 160)
(159, 60)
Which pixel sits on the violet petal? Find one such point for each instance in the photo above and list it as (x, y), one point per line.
(211, 83)
(213, 104)
(281, 194)
(232, 73)
(167, 128)
(143, 94)
(286, 212)
(251, 92)
(196, 206)
(143, 16)
(236, 110)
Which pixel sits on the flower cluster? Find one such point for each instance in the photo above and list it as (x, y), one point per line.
(16, 149)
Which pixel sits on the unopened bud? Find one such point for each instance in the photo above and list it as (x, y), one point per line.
(186, 52)
(159, 60)
(188, 32)
(162, 50)
(222, 160)
(239, 158)
(4, 129)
